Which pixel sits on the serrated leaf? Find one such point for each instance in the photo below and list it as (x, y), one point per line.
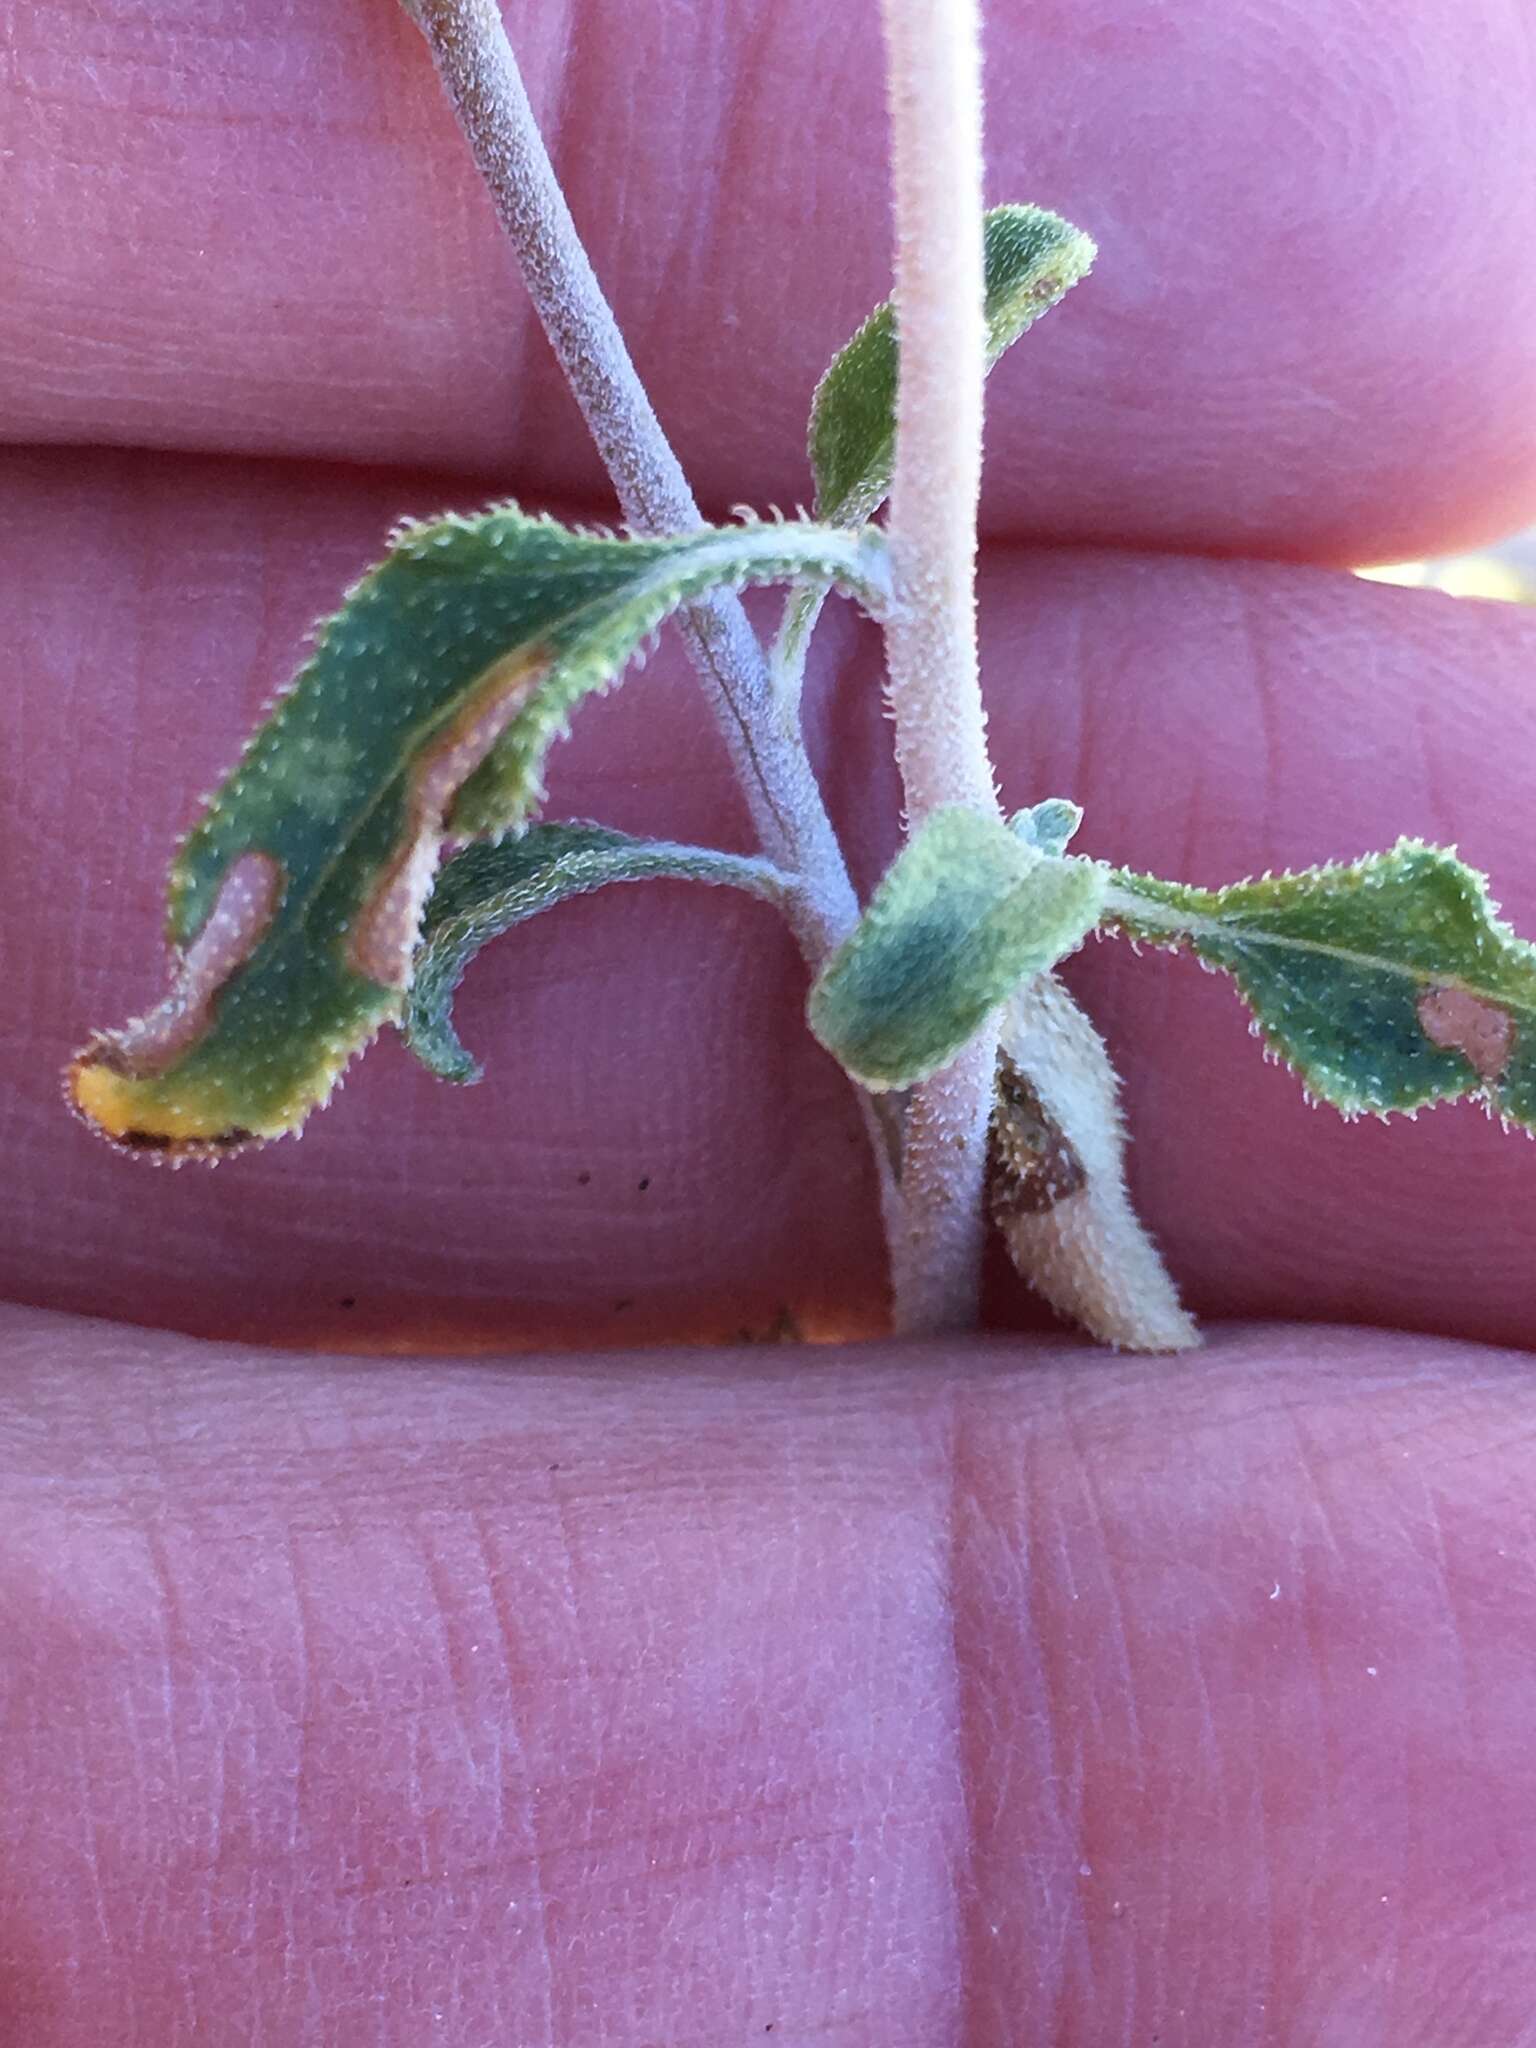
(485, 890)
(1387, 984)
(1032, 258)
(428, 706)
(964, 914)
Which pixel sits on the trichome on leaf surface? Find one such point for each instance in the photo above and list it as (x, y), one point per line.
(307, 906)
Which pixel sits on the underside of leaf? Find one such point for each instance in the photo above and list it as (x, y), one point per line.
(1058, 1195)
(428, 707)
(1387, 984)
(485, 890)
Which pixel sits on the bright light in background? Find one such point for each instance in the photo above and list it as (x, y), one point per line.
(1506, 572)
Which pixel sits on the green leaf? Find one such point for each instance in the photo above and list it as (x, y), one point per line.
(964, 914)
(427, 707)
(1048, 826)
(485, 890)
(1386, 984)
(1033, 258)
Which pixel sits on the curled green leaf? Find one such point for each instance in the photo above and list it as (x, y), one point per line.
(485, 890)
(1386, 984)
(428, 706)
(964, 914)
(1050, 826)
(1032, 258)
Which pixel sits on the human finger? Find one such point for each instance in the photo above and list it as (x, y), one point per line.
(888, 1695)
(1310, 333)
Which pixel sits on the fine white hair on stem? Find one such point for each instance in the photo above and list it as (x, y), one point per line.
(933, 1220)
(935, 686)
(1095, 1261)
(480, 75)
(934, 72)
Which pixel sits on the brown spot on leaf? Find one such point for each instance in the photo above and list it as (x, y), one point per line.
(385, 929)
(1458, 1021)
(247, 901)
(212, 1146)
(169, 1148)
(1035, 1165)
(104, 1083)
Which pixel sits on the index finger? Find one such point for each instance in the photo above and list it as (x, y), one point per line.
(1312, 332)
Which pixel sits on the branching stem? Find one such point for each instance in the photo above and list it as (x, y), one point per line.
(479, 71)
(933, 1219)
(934, 68)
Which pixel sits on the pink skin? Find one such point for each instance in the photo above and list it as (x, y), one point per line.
(980, 1696)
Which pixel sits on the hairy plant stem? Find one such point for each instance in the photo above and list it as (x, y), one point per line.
(934, 71)
(479, 72)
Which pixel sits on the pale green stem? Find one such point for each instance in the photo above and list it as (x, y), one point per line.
(934, 69)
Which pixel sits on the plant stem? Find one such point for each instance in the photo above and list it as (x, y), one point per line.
(479, 71)
(934, 68)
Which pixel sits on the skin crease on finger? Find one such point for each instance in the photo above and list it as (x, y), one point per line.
(233, 225)
(891, 1700)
